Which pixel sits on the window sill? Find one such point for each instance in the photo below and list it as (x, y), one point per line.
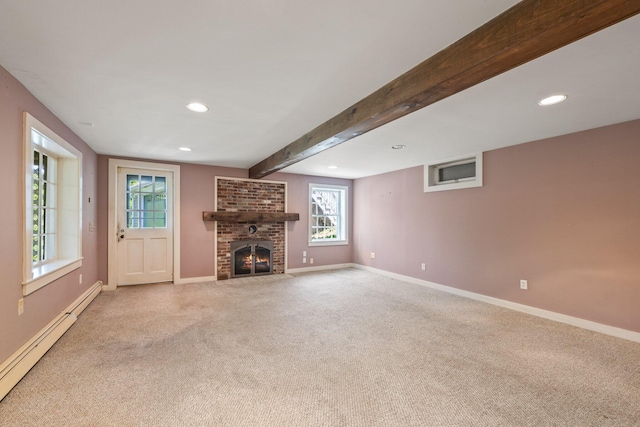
(48, 273)
(330, 243)
(453, 186)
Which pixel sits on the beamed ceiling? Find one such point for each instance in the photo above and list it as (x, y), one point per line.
(285, 79)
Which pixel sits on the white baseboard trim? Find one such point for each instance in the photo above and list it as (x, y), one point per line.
(13, 369)
(186, 280)
(562, 318)
(318, 268)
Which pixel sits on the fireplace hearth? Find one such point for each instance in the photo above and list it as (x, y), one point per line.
(251, 258)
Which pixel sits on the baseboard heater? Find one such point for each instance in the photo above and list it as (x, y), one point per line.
(17, 366)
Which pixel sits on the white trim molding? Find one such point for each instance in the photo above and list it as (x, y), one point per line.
(58, 269)
(546, 314)
(319, 268)
(13, 369)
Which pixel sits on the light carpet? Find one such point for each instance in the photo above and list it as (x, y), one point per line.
(336, 348)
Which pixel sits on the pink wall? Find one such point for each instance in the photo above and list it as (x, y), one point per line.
(198, 236)
(563, 213)
(298, 201)
(45, 304)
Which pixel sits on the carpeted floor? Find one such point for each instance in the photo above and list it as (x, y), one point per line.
(337, 348)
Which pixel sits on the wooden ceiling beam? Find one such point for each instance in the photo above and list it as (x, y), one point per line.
(528, 30)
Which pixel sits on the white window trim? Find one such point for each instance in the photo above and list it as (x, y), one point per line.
(35, 278)
(431, 183)
(344, 216)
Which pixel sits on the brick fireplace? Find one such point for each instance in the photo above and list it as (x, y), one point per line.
(257, 196)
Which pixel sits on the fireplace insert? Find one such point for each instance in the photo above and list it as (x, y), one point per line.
(251, 258)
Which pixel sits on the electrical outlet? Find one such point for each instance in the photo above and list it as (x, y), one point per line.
(304, 260)
(80, 280)
(310, 260)
(524, 285)
(373, 255)
(304, 253)
(20, 306)
(424, 266)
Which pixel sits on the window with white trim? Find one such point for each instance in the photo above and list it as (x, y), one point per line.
(327, 215)
(53, 193)
(452, 174)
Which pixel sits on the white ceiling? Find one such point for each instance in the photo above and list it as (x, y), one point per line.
(272, 70)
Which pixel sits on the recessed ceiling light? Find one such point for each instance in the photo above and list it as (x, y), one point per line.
(197, 107)
(333, 167)
(398, 146)
(554, 99)
(184, 149)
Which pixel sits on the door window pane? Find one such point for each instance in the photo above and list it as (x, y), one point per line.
(146, 184)
(146, 201)
(160, 184)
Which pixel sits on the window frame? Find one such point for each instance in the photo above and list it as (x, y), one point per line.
(432, 174)
(68, 202)
(343, 231)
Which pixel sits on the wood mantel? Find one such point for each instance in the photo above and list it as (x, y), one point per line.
(250, 216)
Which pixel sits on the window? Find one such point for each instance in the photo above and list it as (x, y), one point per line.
(146, 201)
(44, 207)
(52, 246)
(327, 215)
(456, 172)
(463, 172)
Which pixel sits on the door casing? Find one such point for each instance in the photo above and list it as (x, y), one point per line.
(114, 164)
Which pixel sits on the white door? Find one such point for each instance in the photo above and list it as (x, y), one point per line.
(144, 226)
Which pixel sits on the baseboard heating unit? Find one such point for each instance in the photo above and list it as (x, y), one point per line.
(17, 366)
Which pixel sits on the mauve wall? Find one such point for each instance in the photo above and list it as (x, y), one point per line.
(197, 242)
(197, 239)
(563, 213)
(298, 231)
(46, 303)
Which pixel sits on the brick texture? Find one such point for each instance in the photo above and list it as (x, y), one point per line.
(249, 196)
